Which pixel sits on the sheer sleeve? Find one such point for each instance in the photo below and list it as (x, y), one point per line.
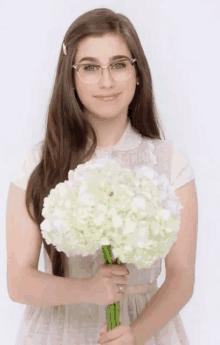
(182, 171)
(24, 167)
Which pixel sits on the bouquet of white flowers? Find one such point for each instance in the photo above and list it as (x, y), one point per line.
(105, 204)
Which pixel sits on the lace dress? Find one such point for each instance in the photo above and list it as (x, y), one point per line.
(79, 324)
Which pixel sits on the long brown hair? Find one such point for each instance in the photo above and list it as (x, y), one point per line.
(67, 128)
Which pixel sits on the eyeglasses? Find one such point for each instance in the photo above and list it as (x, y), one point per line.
(91, 73)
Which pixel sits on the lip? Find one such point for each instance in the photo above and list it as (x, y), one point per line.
(116, 94)
(108, 99)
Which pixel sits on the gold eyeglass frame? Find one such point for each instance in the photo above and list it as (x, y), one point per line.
(102, 67)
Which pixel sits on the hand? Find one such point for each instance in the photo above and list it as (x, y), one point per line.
(120, 335)
(103, 287)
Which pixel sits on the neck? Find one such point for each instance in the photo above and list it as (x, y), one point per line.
(109, 134)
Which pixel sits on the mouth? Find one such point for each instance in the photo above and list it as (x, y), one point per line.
(108, 98)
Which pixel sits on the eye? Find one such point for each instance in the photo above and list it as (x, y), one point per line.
(87, 67)
(123, 65)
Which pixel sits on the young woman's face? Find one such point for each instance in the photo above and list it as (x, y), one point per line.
(103, 49)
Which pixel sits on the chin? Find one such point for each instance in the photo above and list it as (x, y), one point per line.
(102, 112)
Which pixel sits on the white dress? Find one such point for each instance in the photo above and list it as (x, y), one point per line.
(79, 324)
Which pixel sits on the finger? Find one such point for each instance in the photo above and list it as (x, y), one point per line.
(121, 269)
(119, 280)
(117, 272)
(103, 329)
(114, 333)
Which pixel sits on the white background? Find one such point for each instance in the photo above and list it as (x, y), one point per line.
(181, 42)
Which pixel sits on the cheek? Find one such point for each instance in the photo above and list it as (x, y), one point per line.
(130, 94)
(85, 93)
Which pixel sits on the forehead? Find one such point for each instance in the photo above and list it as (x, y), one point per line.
(102, 48)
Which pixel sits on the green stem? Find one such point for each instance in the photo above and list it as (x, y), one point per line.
(113, 310)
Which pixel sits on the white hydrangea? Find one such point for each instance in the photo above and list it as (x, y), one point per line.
(105, 203)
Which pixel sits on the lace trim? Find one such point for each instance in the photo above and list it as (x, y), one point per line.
(151, 149)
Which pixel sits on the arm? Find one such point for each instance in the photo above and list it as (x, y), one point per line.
(26, 284)
(42, 289)
(163, 306)
(180, 272)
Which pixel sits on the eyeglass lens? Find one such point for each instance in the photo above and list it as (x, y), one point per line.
(91, 73)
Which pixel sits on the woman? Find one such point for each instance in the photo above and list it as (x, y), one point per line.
(85, 121)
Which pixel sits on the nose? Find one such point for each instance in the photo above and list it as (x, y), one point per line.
(106, 77)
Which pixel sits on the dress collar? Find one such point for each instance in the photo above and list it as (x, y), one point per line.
(129, 141)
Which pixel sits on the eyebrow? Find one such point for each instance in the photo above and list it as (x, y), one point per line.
(113, 58)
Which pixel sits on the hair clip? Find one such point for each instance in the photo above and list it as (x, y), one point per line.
(64, 49)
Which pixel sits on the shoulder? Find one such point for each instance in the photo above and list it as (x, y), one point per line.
(160, 150)
(25, 165)
(36, 151)
(158, 143)
(166, 146)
